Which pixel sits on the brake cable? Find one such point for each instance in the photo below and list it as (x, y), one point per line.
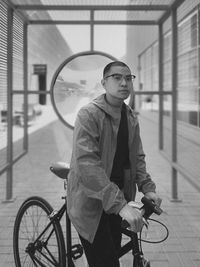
(153, 242)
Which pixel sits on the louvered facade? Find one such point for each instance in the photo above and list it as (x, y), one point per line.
(3, 78)
(21, 48)
(187, 90)
(188, 67)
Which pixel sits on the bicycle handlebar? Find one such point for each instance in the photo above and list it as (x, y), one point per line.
(149, 207)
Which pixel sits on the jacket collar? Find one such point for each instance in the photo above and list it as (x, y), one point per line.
(101, 102)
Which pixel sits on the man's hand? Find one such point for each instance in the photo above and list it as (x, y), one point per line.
(153, 196)
(133, 216)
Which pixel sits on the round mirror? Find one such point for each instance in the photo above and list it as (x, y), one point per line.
(76, 82)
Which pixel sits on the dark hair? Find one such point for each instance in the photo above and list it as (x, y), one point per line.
(111, 64)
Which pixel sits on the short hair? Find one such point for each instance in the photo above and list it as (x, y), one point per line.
(111, 64)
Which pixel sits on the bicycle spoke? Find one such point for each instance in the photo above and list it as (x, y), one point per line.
(33, 262)
(50, 259)
(35, 220)
(26, 231)
(38, 241)
(50, 254)
(34, 259)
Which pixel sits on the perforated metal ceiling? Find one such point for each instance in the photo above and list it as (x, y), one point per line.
(95, 11)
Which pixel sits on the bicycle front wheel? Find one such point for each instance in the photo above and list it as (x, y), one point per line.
(38, 241)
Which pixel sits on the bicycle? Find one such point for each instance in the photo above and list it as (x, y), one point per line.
(38, 238)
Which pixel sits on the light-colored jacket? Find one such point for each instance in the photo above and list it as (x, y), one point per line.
(90, 190)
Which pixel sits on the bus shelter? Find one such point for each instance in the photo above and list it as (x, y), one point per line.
(18, 16)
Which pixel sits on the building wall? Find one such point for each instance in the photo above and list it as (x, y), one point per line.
(145, 43)
(138, 39)
(188, 55)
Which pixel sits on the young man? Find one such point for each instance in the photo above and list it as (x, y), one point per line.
(106, 165)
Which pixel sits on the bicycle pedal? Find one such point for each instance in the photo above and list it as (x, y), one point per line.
(76, 251)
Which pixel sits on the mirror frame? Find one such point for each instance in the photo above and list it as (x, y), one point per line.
(62, 65)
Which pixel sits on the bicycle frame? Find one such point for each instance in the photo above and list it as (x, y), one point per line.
(133, 244)
(76, 251)
(72, 251)
(67, 253)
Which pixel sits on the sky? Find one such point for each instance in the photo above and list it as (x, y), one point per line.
(108, 39)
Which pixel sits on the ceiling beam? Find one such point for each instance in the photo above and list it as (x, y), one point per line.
(95, 7)
(98, 22)
(152, 92)
(166, 15)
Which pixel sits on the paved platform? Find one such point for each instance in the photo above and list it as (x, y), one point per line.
(53, 143)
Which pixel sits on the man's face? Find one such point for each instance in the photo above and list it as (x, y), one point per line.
(118, 86)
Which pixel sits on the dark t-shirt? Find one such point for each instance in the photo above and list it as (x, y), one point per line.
(121, 159)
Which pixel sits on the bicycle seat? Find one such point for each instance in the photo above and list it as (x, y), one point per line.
(60, 169)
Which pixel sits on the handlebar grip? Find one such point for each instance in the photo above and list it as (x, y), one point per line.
(150, 207)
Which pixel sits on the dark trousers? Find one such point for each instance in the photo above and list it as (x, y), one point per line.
(104, 249)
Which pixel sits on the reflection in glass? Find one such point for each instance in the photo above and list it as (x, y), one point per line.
(77, 83)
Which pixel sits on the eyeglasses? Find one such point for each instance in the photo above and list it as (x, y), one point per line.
(119, 77)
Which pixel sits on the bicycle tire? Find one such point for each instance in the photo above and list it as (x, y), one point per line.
(31, 220)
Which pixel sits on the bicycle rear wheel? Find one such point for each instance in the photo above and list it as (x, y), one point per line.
(36, 240)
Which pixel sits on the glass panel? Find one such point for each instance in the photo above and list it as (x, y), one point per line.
(111, 39)
(149, 69)
(39, 115)
(18, 124)
(3, 143)
(76, 39)
(61, 15)
(188, 147)
(188, 142)
(167, 125)
(167, 82)
(76, 84)
(188, 92)
(155, 73)
(147, 103)
(187, 108)
(3, 187)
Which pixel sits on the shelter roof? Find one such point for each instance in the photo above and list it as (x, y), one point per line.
(124, 12)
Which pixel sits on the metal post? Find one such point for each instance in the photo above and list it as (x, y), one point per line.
(91, 30)
(9, 181)
(174, 104)
(140, 88)
(198, 114)
(160, 77)
(25, 63)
